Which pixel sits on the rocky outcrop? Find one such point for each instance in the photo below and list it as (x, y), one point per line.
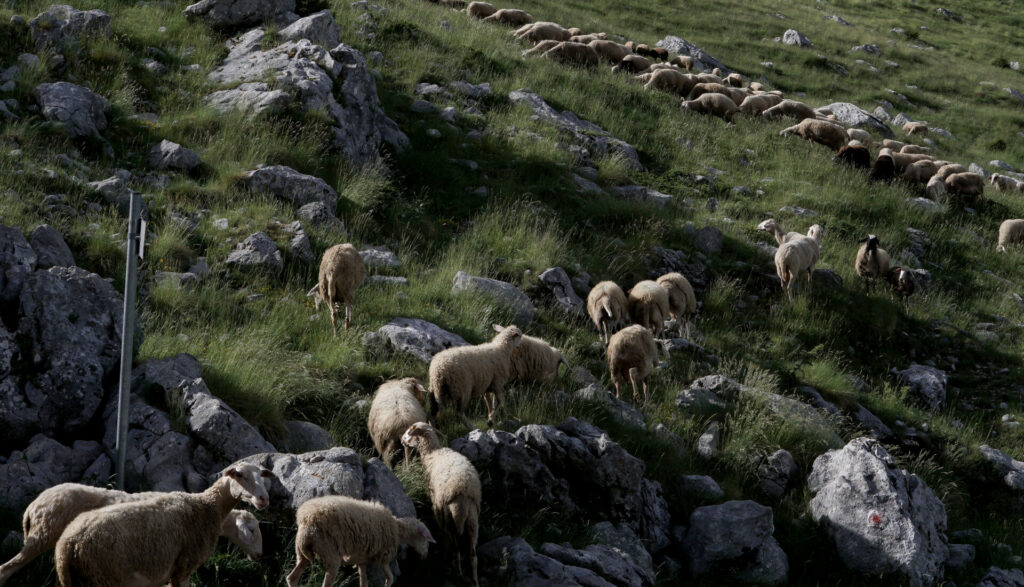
(412, 336)
(259, 251)
(557, 281)
(927, 384)
(45, 463)
(61, 26)
(735, 540)
(234, 14)
(700, 57)
(81, 112)
(501, 293)
(50, 248)
(291, 186)
(318, 27)
(224, 432)
(1010, 468)
(852, 115)
(171, 155)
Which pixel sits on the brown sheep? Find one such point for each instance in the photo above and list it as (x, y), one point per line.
(758, 103)
(967, 184)
(856, 156)
(341, 272)
(609, 50)
(671, 80)
(648, 305)
(632, 353)
(718, 105)
(574, 54)
(916, 128)
(480, 9)
(632, 64)
(510, 17)
(683, 62)
(883, 169)
(789, 109)
(542, 31)
(824, 133)
(653, 53)
(541, 48)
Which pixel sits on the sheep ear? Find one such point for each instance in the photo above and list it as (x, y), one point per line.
(424, 532)
(233, 473)
(268, 474)
(243, 531)
(498, 327)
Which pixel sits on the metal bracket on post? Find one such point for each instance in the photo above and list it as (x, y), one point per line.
(136, 232)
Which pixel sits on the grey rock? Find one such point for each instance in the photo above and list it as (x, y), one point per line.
(170, 155)
(643, 194)
(622, 538)
(683, 47)
(393, 280)
(511, 561)
(1015, 94)
(43, 464)
(927, 384)
(902, 119)
(257, 252)
(299, 246)
(379, 258)
(624, 413)
(583, 133)
(776, 473)
(320, 215)
(837, 18)
(116, 192)
(425, 89)
(220, 428)
(154, 66)
(1011, 469)
(422, 107)
(924, 204)
(700, 487)
(960, 556)
(234, 14)
(502, 293)
(855, 116)
(795, 38)
(449, 114)
(471, 91)
(826, 279)
(882, 519)
(975, 168)
(290, 185)
(82, 112)
(318, 27)
(5, 112)
(997, 577)
(882, 114)
(707, 444)
(557, 281)
(610, 563)
(699, 399)
(413, 336)
(256, 97)
(61, 25)
(586, 186)
(949, 14)
(708, 240)
(306, 437)
(798, 211)
(1001, 165)
(869, 48)
(770, 566)
(17, 260)
(720, 534)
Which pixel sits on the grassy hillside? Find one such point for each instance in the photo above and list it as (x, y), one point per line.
(273, 358)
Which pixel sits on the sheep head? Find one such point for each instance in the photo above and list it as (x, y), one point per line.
(316, 295)
(416, 535)
(510, 336)
(243, 529)
(421, 436)
(413, 386)
(816, 232)
(246, 483)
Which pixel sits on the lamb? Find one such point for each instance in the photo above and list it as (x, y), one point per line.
(574, 54)
(339, 529)
(773, 227)
(631, 355)
(860, 135)
(893, 144)
(534, 360)
(510, 17)
(1010, 232)
(798, 256)
(965, 184)
(682, 303)
(588, 38)
(789, 109)
(542, 31)
(540, 48)
(920, 171)
(915, 150)
(902, 281)
(718, 105)
(480, 9)
(949, 169)
(116, 545)
(856, 156)
(632, 64)
(872, 262)
(454, 488)
(459, 374)
(883, 169)
(648, 305)
(51, 512)
(1005, 183)
(936, 188)
(734, 79)
(758, 103)
(818, 131)
(916, 128)
(671, 80)
(341, 272)
(608, 308)
(609, 50)
(683, 62)
(397, 405)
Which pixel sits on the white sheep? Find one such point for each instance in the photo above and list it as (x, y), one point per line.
(573, 54)
(682, 303)
(480, 9)
(588, 38)
(534, 360)
(459, 374)
(155, 541)
(916, 128)
(683, 62)
(893, 144)
(632, 353)
(861, 135)
(50, 513)
(671, 80)
(648, 305)
(341, 529)
(341, 272)
(915, 150)
(789, 109)
(540, 48)
(920, 171)
(872, 262)
(936, 188)
(758, 103)
(965, 184)
(396, 405)
(1010, 232)
(510, 17)
(609, 50)
(608, 308)
(718, 105)
(454, 488)
(780, 235)
(542, 31)
(949, 169)
(818, 131)
(798, 256)
(632, 64)
(1005, 183)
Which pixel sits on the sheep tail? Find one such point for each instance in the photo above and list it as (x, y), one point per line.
(561, 359)
(606, 305)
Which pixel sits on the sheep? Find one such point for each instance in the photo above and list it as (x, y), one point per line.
(861, 135)
(856, 156)
(915, 128)
(733, 79)
(608, 308)
(902, 160)
(734, 94)
(609, 50)
(542, 31)
(872, 262)
(653, 53)
(396, 405)
(773, 227)
(965, 184)
(510, 17)
(883, 169)
(577, 31)
(459, 374)
(683, 62)
(480, 9)
(1005, 183)
(919, 171)
(936, 188)
(341, 272)
(718, 105)
(758, 103)
(789, 109)
(756, 87)
(949, 169)
(631, 355)
(893, 144)
(915, 150)
(574, 54)
(708, 78)
(798, 256)
(1010, 232)
(588, 38)
(151, 542)
(671, 80)
(540, 48)
(682, 303)
(339, 529)
(648, 305)
(718, 71)
(454, 488)
(632, 64)
(51, 512)
(818, 131)
(534, 360)
(902, 281)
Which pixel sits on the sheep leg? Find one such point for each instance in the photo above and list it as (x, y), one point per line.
(348, 315)
(331, 571)
(363, 579)
(28, 552)
(809, 280)
(389, 579)
(334, 319)
(301, 564)
(472, 530)
(407, 450)
(633, 376)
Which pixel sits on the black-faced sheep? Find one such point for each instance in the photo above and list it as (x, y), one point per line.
(574, 54)
(682, 303)
(916, 128)
(480, 9)
(683, 62)
(648, 305)
(396, 405)
(454, 488)
(856, 156)
(609, 50)
(1010, 232)
(789, 109)
(652, 53)
(341, 273)
(338, 529)
(718, 105)
(632, 353)
(798, 256)
(872, 262)
(758, 103)
(901, 281)
(818, 131)
(608, 308)
(459, 374)
(632, 64)
(510, 17)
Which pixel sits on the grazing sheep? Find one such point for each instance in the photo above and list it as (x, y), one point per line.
(708, 78)
(459, 374)
(718, 105)
(967, 184)
(631, 355)
(818, 131)
(480, 9)
(798, 256)
(454, 488)
(949, 169)
(155, 541)
(758, 103)
(576, 31)
(856, 156)
(915, 150)
(341, 272)
(683, 62)
(872, 262)
(916, 128)
(510, 17)
(734, 79)
(542, 31)
(540, 48)
(789, 109)
(920, 171)
(1010, 232)
(902, 281)
(893, 144)
(574, 54)
(671, 80)
(397, 404)
(682, 303)
(648, 305)
(1005, 183)
(609, 50)
(883, 169)
(653, 53)
(340, 529)
(773, 227)
(608, 308)
(588, 38)
(902, 160)
(51, 512)
(632, 64)
(861, 135)
(936, 188)
(736, 95)
(534, 360)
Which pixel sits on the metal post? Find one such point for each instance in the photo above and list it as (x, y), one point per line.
(128, 333)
